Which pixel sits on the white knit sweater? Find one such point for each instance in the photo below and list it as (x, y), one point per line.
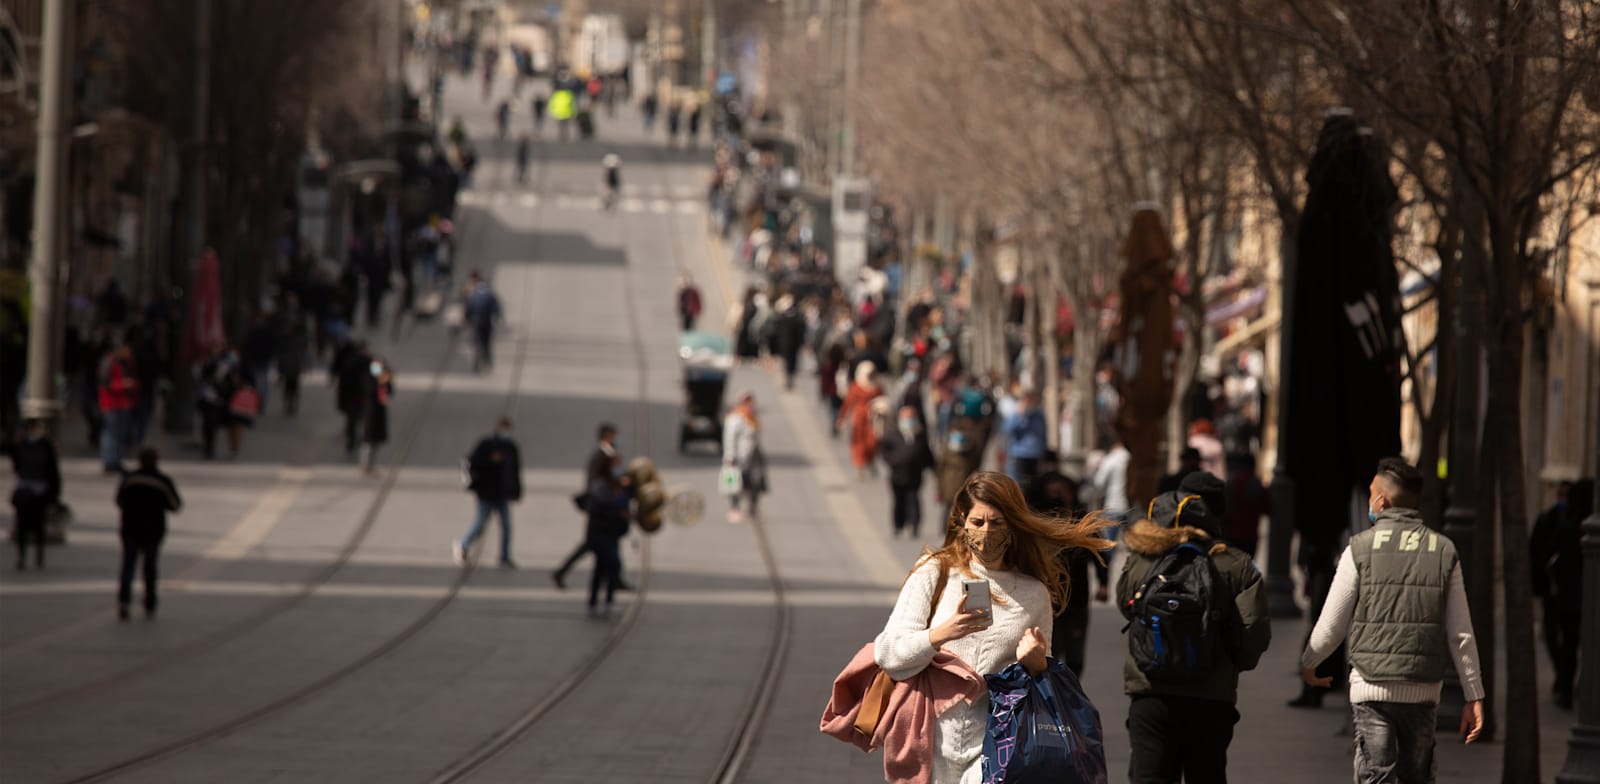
(903, 650)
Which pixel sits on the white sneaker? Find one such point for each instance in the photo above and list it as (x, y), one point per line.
(459, 553)
(735, 517)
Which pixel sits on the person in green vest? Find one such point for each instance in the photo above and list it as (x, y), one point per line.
(1398, 596)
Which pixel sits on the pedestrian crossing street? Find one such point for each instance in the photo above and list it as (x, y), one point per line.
(651, 199)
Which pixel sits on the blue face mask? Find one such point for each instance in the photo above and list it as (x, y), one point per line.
(1372, 516)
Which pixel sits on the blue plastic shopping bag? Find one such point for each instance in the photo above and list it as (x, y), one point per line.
(1042, 729)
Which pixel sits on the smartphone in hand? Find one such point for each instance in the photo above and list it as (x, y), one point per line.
(978, 598)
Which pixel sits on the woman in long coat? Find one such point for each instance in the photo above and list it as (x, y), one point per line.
(741, 449)
(857, 411)
(375, 430)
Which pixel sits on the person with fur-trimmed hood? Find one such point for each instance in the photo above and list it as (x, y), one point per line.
(1181, 728)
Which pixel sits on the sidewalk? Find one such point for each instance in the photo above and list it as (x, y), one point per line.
(1272, 742)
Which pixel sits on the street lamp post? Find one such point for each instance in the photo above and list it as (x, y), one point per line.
(50, 216)
(1583, 745)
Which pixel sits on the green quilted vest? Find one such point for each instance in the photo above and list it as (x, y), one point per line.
(1403, 568)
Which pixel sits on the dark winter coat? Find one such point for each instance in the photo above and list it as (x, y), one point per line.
(907, 460)
(145, 497)
(607, 509)
(38, 471)
(495, 469)
(354, 372)
(1246, 628)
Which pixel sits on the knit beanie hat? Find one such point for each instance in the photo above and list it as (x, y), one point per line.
(1209, 488)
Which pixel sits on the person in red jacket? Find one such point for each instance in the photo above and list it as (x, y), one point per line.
(118, 391)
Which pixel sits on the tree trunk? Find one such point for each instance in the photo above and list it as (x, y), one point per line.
(1522, 687)
(1480, 573)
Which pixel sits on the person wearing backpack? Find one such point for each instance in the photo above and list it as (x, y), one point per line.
(1398, 596)
(1197, 617)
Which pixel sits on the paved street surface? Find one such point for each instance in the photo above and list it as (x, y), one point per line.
(314, 629)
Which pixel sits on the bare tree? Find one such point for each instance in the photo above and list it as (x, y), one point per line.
(1498, 87)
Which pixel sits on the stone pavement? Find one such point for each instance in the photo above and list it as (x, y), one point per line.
(391, 664)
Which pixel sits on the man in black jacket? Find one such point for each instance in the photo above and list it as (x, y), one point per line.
(145, 497)
(38, 487)
(601, 459)
(494, 473)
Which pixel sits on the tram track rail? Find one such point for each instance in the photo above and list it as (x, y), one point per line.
(452, 591)
(307, 588)
(752, 715)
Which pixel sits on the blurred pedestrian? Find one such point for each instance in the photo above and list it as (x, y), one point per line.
(258, 351)
(607, 510)
(674, 119)
(483, 312)
(375, 422)
(524, 155)
(377, 267)
(789, 334)
(1027, 436)
(220, 385)
(117, 390)
(38, 488)
(1111, 479)
(689, 303)
(604, 454)
(494, 475)
(741, 449)
(1203, 437)
(1055, 496)
(1188, 463)
(905, 450)
(857, 412)
(993, 538)
(1248, 502)
(538, 112)
(1399, 598)
(352, 370)
(145, 496)
(647, 108)
(293, 347)
(1557, 557)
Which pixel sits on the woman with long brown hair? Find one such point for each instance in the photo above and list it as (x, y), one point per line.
(991, 535)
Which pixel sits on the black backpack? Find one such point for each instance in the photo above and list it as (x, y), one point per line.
(1176, 624)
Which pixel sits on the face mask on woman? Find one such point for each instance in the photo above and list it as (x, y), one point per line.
(989, 542)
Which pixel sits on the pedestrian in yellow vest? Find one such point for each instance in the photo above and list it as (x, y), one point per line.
(561, 108)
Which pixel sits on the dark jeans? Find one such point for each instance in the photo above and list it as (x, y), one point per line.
(210, 422)
(907, 508)
(352, 431)
(501, 508)
(607, 567)
(1394, 742)
(30, 528)
(135, 548)
(1179, 737)
(1561, 625)
(291, 393)
(483, 341)
(114, 436)
(572, 560)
